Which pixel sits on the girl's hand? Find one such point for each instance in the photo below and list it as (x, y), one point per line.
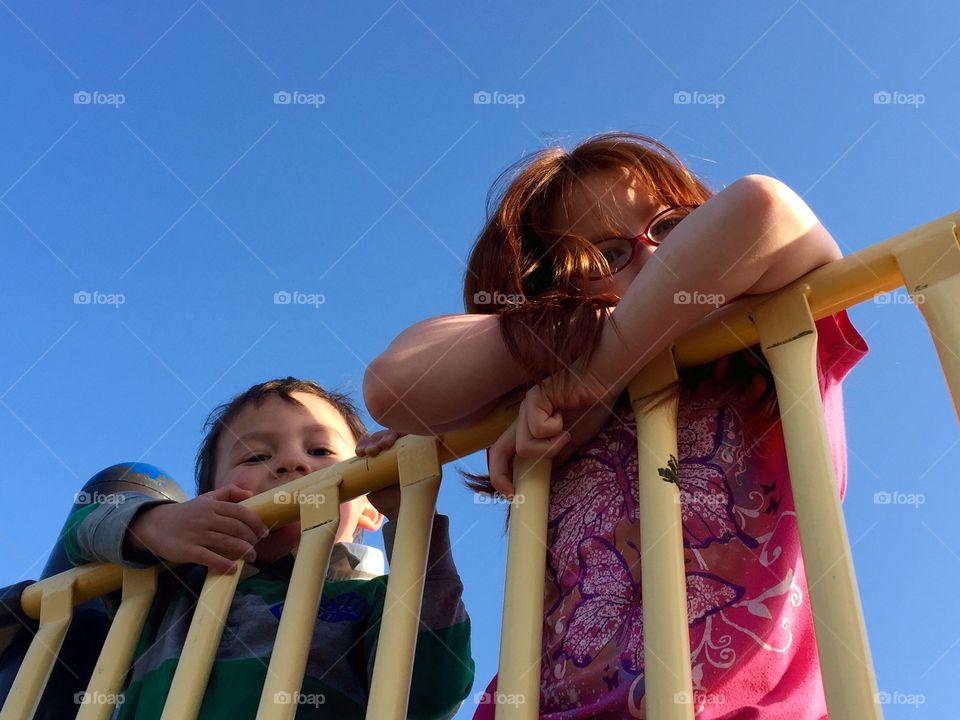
(212, 530)
(375, 443)
(540, 431)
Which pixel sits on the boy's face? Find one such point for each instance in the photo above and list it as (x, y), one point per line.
(277, 441)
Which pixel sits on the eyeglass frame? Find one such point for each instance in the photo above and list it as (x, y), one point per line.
(644, 236)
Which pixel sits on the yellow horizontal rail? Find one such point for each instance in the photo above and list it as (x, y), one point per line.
(829, 289)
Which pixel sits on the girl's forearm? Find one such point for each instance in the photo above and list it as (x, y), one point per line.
(439, 374)
(755, 236)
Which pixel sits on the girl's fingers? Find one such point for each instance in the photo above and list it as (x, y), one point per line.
(543, 419)
(500, 461)
(541, 449)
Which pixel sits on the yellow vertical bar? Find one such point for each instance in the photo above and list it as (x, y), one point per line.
(666, 633)
(139, 587)
(419, 464)
(788, 337)
(930, 266)
(56, 612)
(319, 520)
(200, 646)
(521, 637)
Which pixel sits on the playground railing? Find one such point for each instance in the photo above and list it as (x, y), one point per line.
(926, 260)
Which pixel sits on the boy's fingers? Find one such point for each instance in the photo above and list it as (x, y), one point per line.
(234, 527)
(202, 556)
(230, 493)
(246, 516)
(230, 547)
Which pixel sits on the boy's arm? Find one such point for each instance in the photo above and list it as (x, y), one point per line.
(96, 532)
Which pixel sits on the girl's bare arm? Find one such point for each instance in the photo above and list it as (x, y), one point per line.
(755, 236)
(440, 374)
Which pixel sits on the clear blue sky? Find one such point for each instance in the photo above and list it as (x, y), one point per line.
(198, 198)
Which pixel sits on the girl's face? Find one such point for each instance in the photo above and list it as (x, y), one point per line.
(617, 196)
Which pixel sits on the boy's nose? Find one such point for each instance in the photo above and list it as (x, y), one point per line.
(290, 466)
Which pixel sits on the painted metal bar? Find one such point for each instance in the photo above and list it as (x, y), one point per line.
(103, 691)
(931, 272)
(319, 521)
(666, 638)
(56, 613)
(521, 637)
(200, 647)
(420, 470)
(789, 342)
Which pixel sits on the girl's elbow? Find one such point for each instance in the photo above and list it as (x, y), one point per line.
(377, 395)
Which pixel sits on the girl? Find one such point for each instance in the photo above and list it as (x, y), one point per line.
(590, 264)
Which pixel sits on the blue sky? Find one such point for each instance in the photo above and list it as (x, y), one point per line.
(176, 181)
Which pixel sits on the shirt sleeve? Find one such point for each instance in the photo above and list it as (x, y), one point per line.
(95, 532)
(839, 348)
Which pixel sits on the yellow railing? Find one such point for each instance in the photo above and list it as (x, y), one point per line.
(926, 260)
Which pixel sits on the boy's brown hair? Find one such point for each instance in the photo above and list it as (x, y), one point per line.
(220, 418)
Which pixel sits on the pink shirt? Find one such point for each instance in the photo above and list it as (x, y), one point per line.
(752, 646)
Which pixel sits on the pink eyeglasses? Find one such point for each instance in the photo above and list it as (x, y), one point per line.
(619, 250)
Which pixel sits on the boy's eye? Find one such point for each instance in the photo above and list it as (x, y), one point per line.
(321, 451)
(257, 458)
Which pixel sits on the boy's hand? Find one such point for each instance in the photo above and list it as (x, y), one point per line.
(375, 443)
(387, 501)
(211, 530)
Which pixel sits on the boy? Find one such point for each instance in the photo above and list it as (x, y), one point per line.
(273, 433)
